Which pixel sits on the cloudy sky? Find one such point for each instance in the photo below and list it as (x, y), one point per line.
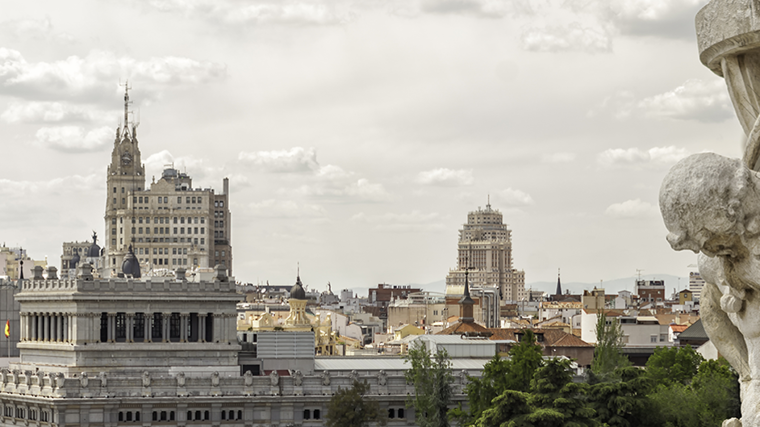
(358, 134)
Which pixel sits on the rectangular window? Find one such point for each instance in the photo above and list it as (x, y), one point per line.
(203, 241)
(187, 200)
(156, 330)
(223, 252)
(181, 230)
(184, 251)
(196, 230)
(653, 338)
(196, 241)
(179, 199)
(175, 219)
(166, 200)
(195, 220)
(134, 199)
(193, 199)
(138, 329)
(175, 230)
(114, 190)
(159, 200)
(155, 251)
(121, 327)
(182, 220)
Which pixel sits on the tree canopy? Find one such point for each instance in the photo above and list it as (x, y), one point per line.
(432, 378)
(349, 408)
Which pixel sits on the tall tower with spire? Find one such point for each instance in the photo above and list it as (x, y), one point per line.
(166, 226)
(485, 248)
(125, 176)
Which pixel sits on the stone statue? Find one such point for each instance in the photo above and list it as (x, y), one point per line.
(60, 380)
(40, 378)
(382, 378)
(711, 204)
(248, 378)
(181, 379)
(353, 376)
(103, 379)
(325, 378)
(146, 379)
(4, 375)
(274, 378)
(463, 377)
(297, 378)
(83, 380)
(215, 379)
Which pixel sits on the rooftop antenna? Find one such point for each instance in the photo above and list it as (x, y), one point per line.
(638, 273)
(127, 87)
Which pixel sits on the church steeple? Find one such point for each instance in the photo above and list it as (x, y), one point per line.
(559, 285)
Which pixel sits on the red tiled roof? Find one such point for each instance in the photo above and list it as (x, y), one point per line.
(460, 328)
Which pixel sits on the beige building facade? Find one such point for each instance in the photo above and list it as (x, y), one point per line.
(169, 224)
(485, 249)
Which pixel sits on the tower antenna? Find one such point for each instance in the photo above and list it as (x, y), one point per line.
(127, 88)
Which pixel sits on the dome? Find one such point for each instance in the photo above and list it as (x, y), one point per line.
(297, 292)
(94, 251)
(130, 266)
(74, 260)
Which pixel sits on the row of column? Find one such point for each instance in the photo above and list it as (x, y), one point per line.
(184, 332)
(86, 327)
(47, 327)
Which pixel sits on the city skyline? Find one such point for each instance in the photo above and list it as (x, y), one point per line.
(357, 135)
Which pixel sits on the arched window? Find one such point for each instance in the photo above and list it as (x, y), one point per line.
(306, 414)
(137, 416)
(171, 416)
(189, 415)
(231, 415)
(391, 413)
(163, 415)
(224, 415)
(121, 416)
(197, 415)
(129, 416)
(316, 414)
(240, 415)
(205, 415)
(401, 412)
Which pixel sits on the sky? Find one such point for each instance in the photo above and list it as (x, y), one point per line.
(357, 135)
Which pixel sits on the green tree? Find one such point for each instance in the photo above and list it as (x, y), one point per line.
(499, 375)
(556, 400)
(673, 365)
(608, 354)
(432, 378)
(349, 408)
(622, 401)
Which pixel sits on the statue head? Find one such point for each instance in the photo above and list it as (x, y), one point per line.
(703, 203)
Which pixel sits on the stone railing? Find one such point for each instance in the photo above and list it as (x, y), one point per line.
(152, 284)
(85, 385)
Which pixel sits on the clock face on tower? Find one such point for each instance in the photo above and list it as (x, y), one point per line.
(126, 159)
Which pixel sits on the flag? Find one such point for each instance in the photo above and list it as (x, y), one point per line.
(7, 329)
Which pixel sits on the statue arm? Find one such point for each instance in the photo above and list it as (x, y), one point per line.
(722, 332)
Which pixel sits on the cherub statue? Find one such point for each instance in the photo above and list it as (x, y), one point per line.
(711, 205)
(274, 378)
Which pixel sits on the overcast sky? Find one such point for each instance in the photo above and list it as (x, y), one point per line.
(358, 134)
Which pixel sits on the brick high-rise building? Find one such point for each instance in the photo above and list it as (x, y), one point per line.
(485, 248)
(170, 224)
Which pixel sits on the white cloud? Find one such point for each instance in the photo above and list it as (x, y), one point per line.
(360, 190)
(413, 221)
(35, 111)
(510, 197)
(63, 185)
(561, 157)
(479, 8)
(694, 100)
(74, 139)
(94, 75)
(632, 209)
(261, 12)
(638, 158)
(296, 159)
(196, 168)
(34, 29)
(567, 38)
(446, 177)
(271, 208)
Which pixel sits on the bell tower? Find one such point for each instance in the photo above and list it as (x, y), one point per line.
(126, 174)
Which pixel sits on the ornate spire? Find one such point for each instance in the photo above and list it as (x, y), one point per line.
(559, 285)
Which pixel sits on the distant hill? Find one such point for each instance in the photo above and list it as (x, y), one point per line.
(614, 286)
(610, 286)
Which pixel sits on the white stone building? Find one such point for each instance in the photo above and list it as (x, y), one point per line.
(169, 225)
(485, 248)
